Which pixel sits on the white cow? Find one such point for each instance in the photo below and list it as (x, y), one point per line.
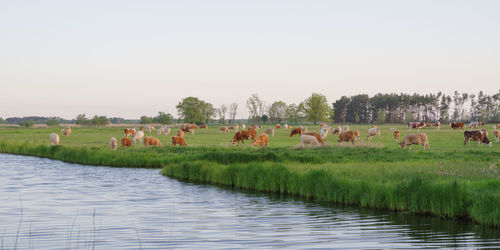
(113, 143)
(373, 132)
(54, 139)
(308, 140)
(138, 136)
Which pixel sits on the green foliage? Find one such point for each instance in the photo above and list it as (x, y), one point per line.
(264, 118)
(52, 122)
(146, 120)
(162, 118)
(2, 121)
(99, 121)
(28, 123)
(255, 107)
(194, 110)
(380, 116)
(277, 111)
(82, 120)
(316, 108)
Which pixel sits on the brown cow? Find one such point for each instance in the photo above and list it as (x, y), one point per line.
(318, 137)
(457, 125)
(66, 131)
(476, 135)
(223, 129)
(396, 135)
(357, 135)
(417, 139)
(180, 133)
(176, 140)
(126, 142)
(262, 140)
(151, 141)
(296, 131)
(416, 125)
(347, 136)
(204, 126)
(244, 135)
(337, 130)
(269, 131)
(496, 133)
(278, 126)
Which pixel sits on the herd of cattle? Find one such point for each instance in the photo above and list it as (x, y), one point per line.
(132, 136)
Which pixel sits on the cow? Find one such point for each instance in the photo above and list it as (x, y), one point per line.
(323, 132)
(163, 130)
(223, 129)
(297, 131)
(176, 140)
(498, 125)
(415, 139)
(244, 135)
(126, 142)
(243, 126)
(66, 131)
(396, 134)
(347, 136)
(149, 128)
(54, 139)
(253, 127)
(476, 135)
(138, 136)
(205, 126)
(496, 133)
(357, 135)
(457, 125)
(416, 125)
(484, 131)
(304, 128)
(151, 141)
(262, 140)
(180, 133)
(436, 125)
(188, 129)
(308, 140)
(113, 143)
(473, 125)
(126, 132)
(346, 128)
(318, 137)
(278, 126)
(269, 131)
(322, 125)
(373, 132)
(337, 130)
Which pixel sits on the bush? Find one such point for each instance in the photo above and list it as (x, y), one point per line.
(28, 123)
(52, 122)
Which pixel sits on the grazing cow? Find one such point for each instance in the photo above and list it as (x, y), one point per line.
(269, 131)
(253, 127)
(244, 135)
(416, 125)
(165, 130)
(417, 139)
(223, 129)
(126, 132)
(129, 132)
(498, 125)
(126, 142)
(373, 132)
(148, 128)
(278, 126)
(337, 130)
(295, 132)
(113, 143)
(304, 128)
(308, 140)
(138, 136)
(323, 132)
(180, 133)
(322, 124)
(346, 128)
(151, 141)
(318, 137)
(235, 127)
(262, 140)
(484, 131)
(496, 133)
(176, 140)
(188, 129)
(473, 125)
(457, 125)
(396, 135)
(347, 136)
(476, 135)
(243, 126)
(204, 126)
(66, 131)
(357, 135)
(54, 139)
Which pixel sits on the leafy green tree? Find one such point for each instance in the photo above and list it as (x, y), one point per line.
(163, 118)
(316, 108)
(52, 122)
(82, 120)
(277, 111)
(99, 121)
(380, 116)
(264, 118)
(28, 123)
(2, 121)
(194, 110)
(255, 107)
(208, 111)
(221, 112)
(146, 120)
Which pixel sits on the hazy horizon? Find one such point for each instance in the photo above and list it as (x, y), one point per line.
(128, 59)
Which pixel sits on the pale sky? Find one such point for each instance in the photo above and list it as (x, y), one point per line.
(133, 58)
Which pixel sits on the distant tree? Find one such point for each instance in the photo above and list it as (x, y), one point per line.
(340, 109)
(233, 108)
(255, 107)
(99, 121)
(316, 108)
(163, 118)
(82, 120)
(28, 123)
(146, 120)
(380, 116)
(277, 111)
(52, 122)
(2, 121)
(222, 113)
(194, 110)
(295, 113)
(208, 111)
(116, 120)
(264, 118)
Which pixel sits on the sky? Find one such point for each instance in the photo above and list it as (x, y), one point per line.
(133, 58)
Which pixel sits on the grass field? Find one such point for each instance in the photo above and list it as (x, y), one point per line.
(449, 180)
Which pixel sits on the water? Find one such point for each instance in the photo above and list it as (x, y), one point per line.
(58, 205)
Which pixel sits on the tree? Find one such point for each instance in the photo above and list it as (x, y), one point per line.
(316, 108)
(208, 111)
(82, 120)
(28, 123)
(52, 122)
(222, 113)
(264, 118)
(99, 121)
(277, 111)
(146, 120)
(340, 109)
(163, 118)
(2, 121)
(232, 111)
(380, 116)
(255, 107)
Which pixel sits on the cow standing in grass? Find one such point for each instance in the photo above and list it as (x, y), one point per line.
(415, 139)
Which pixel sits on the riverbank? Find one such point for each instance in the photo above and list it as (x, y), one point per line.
(458, 185)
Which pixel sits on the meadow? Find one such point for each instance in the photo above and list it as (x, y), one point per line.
(449, 180)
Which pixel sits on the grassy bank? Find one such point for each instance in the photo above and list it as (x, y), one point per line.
(449, 180)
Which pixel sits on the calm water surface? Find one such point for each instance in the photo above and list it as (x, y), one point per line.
(56, 205)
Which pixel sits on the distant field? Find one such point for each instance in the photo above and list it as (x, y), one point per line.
(449, 180)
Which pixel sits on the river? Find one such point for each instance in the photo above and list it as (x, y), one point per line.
(48, 204)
